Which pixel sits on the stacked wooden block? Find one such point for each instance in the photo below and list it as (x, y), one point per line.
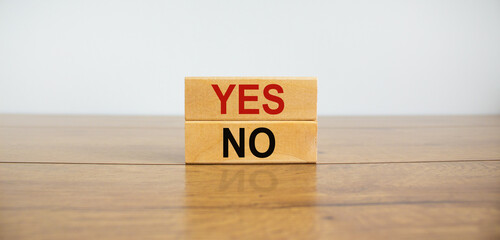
(250, 120)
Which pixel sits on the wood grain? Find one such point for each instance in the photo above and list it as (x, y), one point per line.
(160, 140)
(450, 200)
(284, 142)
(381, 178)
(103, 121)
(299, 96)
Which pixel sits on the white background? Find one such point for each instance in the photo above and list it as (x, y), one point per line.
(131, 57)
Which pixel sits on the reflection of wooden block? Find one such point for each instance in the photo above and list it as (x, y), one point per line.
(221, 142)
(250, 98)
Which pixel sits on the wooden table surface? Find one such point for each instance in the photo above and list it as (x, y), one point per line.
(123, 177)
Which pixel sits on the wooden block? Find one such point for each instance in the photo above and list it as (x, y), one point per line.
(221, 142)
(250, 98)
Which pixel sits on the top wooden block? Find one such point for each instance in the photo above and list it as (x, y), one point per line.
(250, 98)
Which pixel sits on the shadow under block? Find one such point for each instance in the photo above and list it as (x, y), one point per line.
(250, 98)
(294, 142)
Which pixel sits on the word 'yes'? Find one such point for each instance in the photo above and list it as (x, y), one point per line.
(223, 97)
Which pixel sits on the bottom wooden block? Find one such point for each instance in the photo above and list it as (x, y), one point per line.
(251, 142)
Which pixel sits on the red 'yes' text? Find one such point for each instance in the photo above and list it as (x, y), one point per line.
(223, 97)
